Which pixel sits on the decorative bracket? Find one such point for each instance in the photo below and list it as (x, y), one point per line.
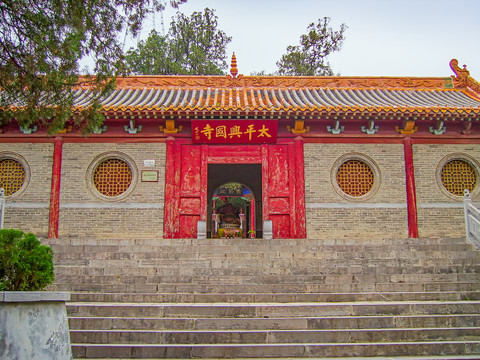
(337, 129)
(99, 129)
(170, 128)
(372, 129)
(131, 129)
(439, 130)
(408, 127)
(27, 130)
(299, 128)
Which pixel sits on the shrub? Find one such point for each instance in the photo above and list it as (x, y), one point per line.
(25, 264)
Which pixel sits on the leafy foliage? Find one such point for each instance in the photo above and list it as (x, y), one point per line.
(25, 264)
(310, 57)
(41, 44)
(194, 46)
(151, 56)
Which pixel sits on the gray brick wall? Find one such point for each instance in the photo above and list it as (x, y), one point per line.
(332, 216)
(28, 210)
(439, 214)
(329, 214)
(138, 214)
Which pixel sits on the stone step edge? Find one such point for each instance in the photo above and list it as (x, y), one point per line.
(461, 342)
(183, 293)
(329, 282)
(440, 357)
(262, 331)
(286, 318)
(305, 284)
(276, 304)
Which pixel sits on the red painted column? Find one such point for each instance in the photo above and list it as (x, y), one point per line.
(55, 190)
(204, 180)
(170, 211)
(410, 187)
(300, 187)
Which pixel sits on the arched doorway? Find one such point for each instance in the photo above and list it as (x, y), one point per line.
(233, 211)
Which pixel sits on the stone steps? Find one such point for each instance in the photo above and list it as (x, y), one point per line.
(206, 268)
(276, 323)
(289, 336)
(273, 297)
(138, 241)
(250, 351)
(281, 298)
(272, 288)
(239, 252)
(297, 309)
(109, 283)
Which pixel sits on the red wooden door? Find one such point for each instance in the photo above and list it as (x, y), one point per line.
(186, 184)
(284, 195)
(183, 190)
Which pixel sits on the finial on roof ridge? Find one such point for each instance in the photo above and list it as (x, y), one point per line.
(234, 69)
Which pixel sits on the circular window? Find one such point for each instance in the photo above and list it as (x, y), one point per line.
(355, 178)
(12, 175)
(458, 175)
(112, 177)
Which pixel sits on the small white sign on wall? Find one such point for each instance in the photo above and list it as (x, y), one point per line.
(149, 163)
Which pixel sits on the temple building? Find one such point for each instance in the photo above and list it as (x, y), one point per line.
(312, 157)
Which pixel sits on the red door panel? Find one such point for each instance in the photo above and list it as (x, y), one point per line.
(186, 184)
(278, 190)
(281, 226)
(190, 170)
(188, 226)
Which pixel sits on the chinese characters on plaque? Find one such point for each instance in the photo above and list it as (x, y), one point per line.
(234, 131)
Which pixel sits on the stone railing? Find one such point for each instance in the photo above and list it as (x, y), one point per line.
(472, 220)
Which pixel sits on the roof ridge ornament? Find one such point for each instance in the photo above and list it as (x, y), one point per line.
(233, 68)
(461, 75)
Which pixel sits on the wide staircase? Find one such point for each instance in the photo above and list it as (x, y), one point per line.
(256, 298)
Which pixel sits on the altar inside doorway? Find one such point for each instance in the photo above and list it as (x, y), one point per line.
(235, 206)
(233, 212)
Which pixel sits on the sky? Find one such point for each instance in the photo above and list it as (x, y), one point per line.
(384, 37)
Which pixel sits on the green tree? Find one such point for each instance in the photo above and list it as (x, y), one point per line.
(25, 264)
(41, 45)
(151, 56)
(310, 57)
(194, 45)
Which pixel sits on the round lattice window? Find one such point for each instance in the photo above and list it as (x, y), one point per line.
(12, 176)
(458, 175)
(112, 177)
(355, 178)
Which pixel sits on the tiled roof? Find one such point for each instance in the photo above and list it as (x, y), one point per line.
(454, 95)
(303, 99)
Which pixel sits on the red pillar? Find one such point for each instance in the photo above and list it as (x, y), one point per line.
(410, 187)
(55, 190)
(300, 189)
(170, 227)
